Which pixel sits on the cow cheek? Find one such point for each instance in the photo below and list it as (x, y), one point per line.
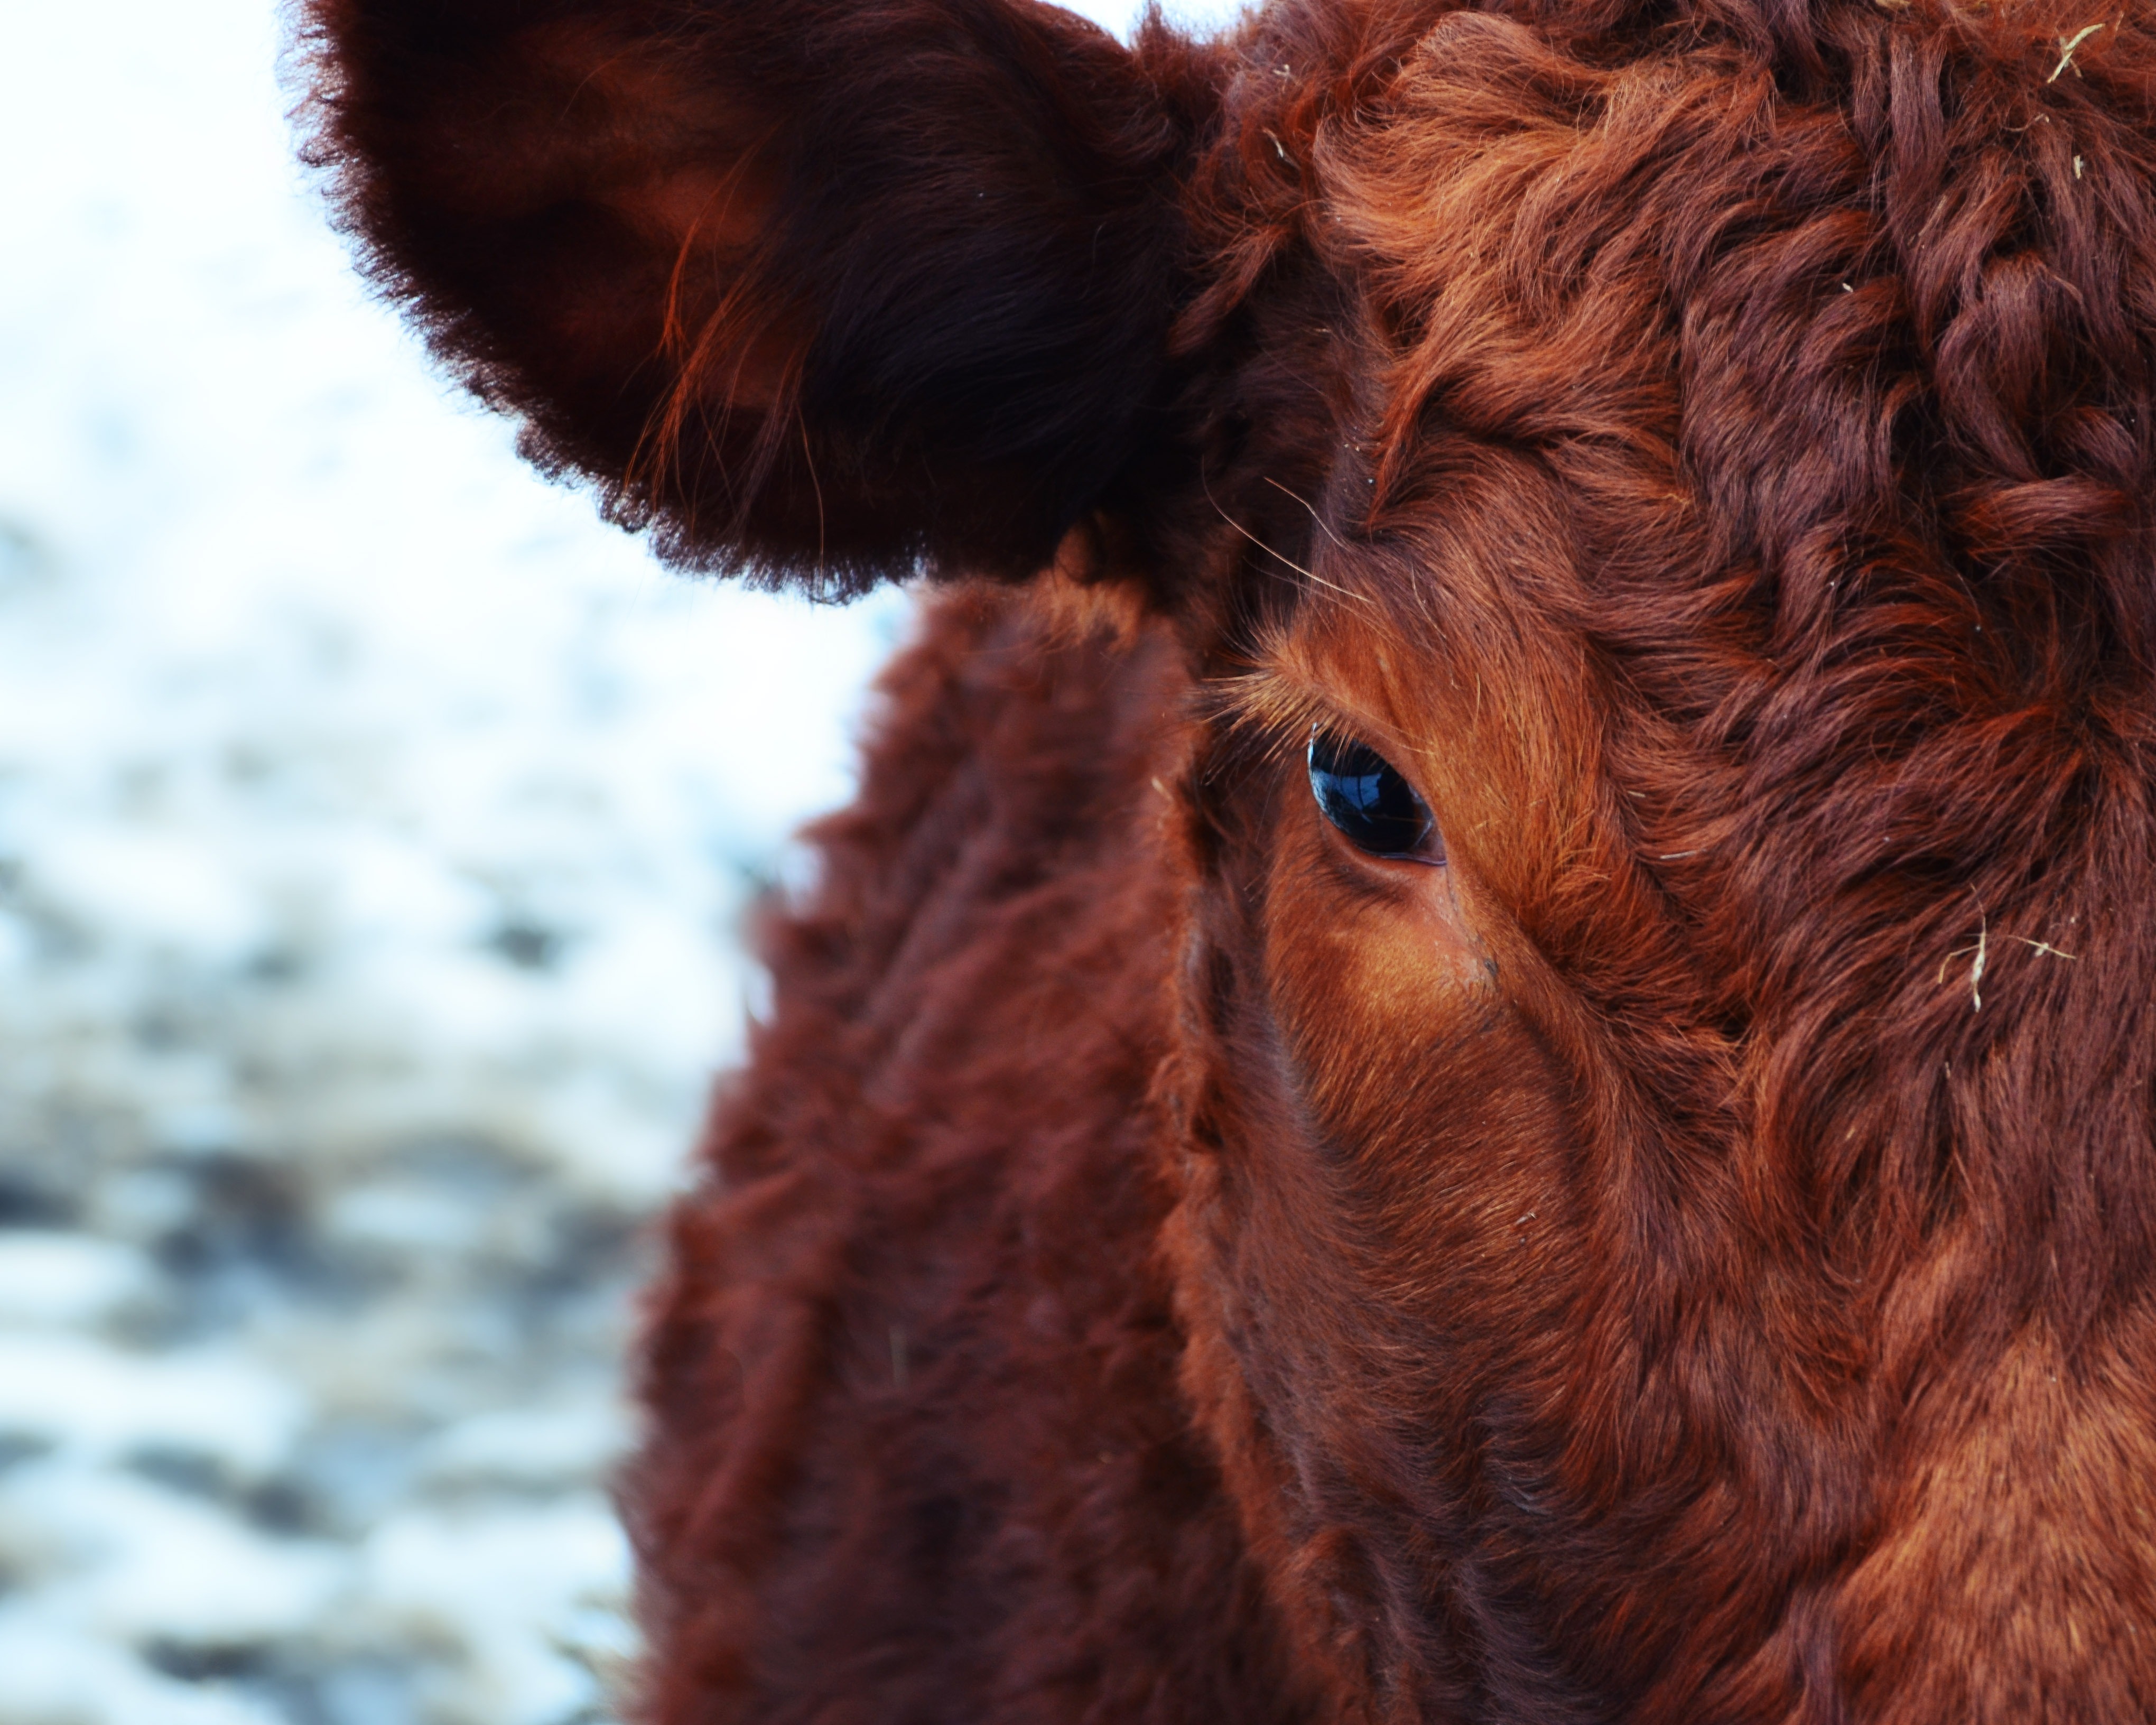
(1407, 1208)
(1377, 1262)
(1431, 1112)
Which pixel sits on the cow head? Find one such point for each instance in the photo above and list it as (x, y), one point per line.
(1657, 500)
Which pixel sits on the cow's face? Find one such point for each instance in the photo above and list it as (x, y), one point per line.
(1676, 1235)
(1656, 508)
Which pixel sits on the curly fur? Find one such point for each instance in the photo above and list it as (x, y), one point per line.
(1691, 1259)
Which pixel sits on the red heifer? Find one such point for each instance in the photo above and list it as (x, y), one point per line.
(1482, 1048)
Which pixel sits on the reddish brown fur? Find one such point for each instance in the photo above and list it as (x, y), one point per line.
(1689, 1258)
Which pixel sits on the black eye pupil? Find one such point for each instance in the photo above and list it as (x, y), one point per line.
(1363, 794)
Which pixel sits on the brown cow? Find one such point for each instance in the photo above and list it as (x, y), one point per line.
(1482, 1049)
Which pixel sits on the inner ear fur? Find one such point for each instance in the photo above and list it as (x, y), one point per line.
(818, 290)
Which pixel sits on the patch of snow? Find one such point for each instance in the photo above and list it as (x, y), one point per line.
(49, 1278)
(529, 1444)
(58, 1674)
(482, 1582)
(75, 1393)
(144, 1562)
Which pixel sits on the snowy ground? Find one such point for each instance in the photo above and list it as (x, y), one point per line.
(374, 826)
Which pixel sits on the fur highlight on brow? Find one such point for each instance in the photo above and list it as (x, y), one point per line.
(1275, 712)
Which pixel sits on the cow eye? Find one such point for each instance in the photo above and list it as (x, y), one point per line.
(1363, 794)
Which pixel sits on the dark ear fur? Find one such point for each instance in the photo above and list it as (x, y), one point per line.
(819, 288)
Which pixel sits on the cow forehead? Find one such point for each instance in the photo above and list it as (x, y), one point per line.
(1657, 265)
(1736, 516)
(1860, 372)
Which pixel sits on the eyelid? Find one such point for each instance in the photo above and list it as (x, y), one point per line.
(1275, 700)
(1285, 709)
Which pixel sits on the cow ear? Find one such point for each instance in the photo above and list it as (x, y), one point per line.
(818, 289)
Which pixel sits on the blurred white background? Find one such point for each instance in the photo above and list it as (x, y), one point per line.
(374, 829)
